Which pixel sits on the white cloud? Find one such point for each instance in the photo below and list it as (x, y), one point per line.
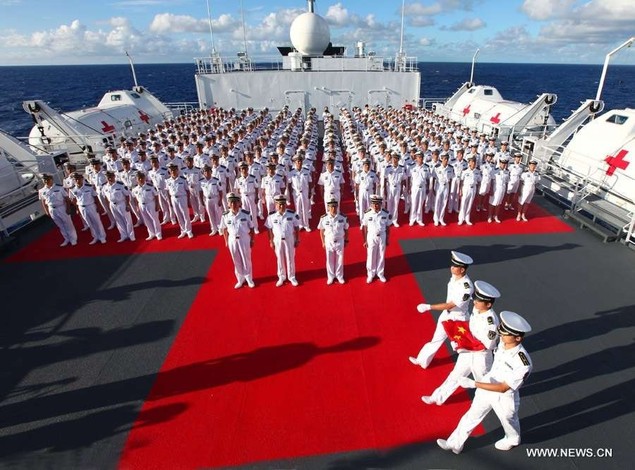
(467, 24)
(546, 9)
(337, 15)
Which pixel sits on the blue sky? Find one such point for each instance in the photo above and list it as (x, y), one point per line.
(160, 31)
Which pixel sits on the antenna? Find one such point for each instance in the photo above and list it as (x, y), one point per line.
(134, 75)
(628, 43)
(242, 18)
(211, 28)
(473, 63)
(310, 7)
(403, 10)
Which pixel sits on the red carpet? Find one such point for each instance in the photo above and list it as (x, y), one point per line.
(273, 373)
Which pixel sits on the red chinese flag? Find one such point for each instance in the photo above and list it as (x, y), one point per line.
(459, 332)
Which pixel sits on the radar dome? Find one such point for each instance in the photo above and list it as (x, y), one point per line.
(310, 34)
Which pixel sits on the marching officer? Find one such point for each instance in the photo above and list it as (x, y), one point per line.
(238, 230)
(147, 198)
(529, 179)
(497, 390)
(470, 180)
(119, 199)
(179, 194)
(460, 289)
(85, 197)
(483, 325)
(333, 228)
(375, 226)
(284, 237)
(210, 192)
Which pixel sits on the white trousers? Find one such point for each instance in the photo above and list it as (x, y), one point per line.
(285, 257)
(90, 215)
(150, 218)
(166, 206)
(213, 213)
(240, 251)
(505, 405)
(441, 202)
(64, 223)
(334, 260)
(375, 255)
(477, 363)
(467, 199)
(393, 194)
(123, 220)
(302, 207)
(417, 200)
(182, 212)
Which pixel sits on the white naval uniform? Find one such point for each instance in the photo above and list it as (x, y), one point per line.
(500, 179)
(85, 199)
(178, 189)
(529, 179)
(515, 170)
(459, 167)
(211, 190)
(146, 197)
(55, 199)
(366, 182)
(299, 181)
(511, 366)
(117, 195)
(376, 224)
(238, 227)
(193, 175)
(272, 185)
(332, 183)
(393, 177)
(247, 186)
(283, 228)
(483, 326)
(470, 183)
(334, 236)
(459, 292)
(487, 172)
(419, 176)
(159, 178)
(443, 177)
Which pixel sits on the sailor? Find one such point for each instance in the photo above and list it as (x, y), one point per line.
(113, 162)
(529, 179)
(84, 197)
(159, 177)
(98, 180)
(193, 175)
(443, 176)
(419, 176)
(475, 356)
(210, 193)
(498, 389)
(219, 171)
(470, 181)
(179, 194)
(375, 231)
(515, 170)
(459, 165)
(331, 182)
(128, 176)
(238, 230)
(394, 176)
(119, 199)
(487, 168)
(366, 182)
(247, 186)
(284, 236)
(300, 187)
(500, 179)
(56, 205)
(147, 198)
(460, 289)
(68, 183)
(333, 228)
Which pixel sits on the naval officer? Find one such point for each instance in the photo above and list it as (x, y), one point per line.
(284, 236)
(238, 230)
(478, 359)
(333, 228)
(529, 179)
(498, 390)
(375, 225)
(460, 289)
(57, 206)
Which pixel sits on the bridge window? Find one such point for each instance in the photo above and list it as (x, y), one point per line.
(135, 96)
(115, 97)
(488, 92)
(617, 119)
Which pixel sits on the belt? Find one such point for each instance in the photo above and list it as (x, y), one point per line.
(283, 238)
(86, 205)
(55, 207)
(236, 238)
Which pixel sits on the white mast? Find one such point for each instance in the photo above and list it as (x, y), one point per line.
(400, 62)
(134, 75)
(211, 28)
(473, 62)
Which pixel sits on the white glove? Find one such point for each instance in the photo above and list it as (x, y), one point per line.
(421, 308)
(466, 382)
(454, 345)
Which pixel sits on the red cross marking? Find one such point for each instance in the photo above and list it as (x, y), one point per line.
(616, 162)
(144, 117)
(495, 119)
(107, 127)
(466, 110)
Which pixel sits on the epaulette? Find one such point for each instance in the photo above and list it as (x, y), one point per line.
(523, 358)
(291, 211)
(57, 185)
(244, 211)
(226, 212)
(104, 183)
(149, 183)
(182, 177)
(322, 216)
(368, 210)
(88, 184)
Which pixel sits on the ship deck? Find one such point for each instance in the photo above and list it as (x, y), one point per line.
(142, 355)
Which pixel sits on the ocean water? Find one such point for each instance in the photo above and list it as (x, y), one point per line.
(68, 88)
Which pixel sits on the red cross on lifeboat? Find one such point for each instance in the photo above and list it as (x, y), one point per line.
(495, 119)
(616, 161)
(466, 110)
(144, 117)
(107, 128)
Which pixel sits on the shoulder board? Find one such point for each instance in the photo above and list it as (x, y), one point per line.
(163, 168)
(523, 358)
(322, 216)
(104, 183)
(223, 166)
(182, 177)
(57, 185)
(226, 212)
(244, 211)
(368, 210)
(88, 185)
